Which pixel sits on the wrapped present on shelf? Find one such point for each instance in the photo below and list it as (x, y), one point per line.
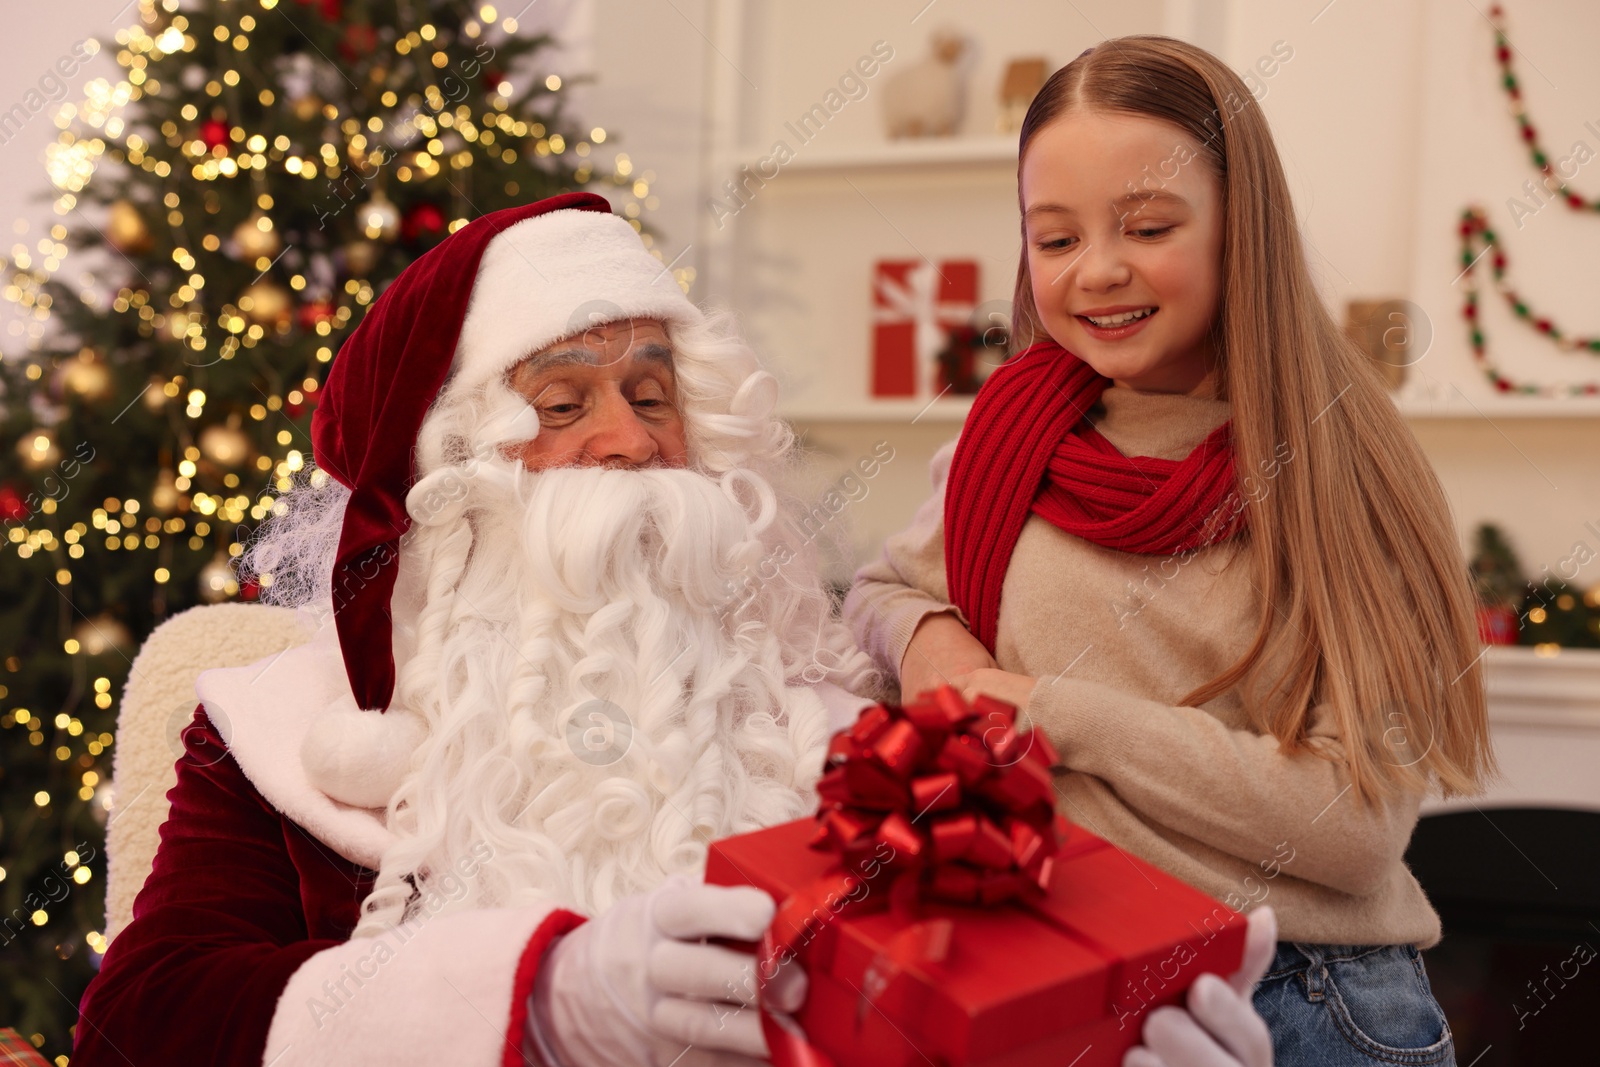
(915, 305)
(945, 914)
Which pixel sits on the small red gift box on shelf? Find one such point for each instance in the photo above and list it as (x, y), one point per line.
(915, 306)
(946, 929)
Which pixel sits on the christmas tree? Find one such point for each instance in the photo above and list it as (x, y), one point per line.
(1496, 574)
(233, 202)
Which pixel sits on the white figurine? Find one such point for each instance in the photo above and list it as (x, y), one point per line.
(929, 98)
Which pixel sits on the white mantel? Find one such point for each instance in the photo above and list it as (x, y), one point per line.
(1544, 711)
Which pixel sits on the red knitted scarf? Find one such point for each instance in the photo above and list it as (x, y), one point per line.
(1024, 449)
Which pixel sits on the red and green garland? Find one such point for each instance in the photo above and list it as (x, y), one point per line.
(1530, 135)
(1475, 232)
(1476, 235)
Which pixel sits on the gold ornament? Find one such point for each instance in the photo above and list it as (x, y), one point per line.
(164, 496)
(87, 376)
(217, 580)
(155, 394)
(266, 303)
(101, 634)
(100, 807)
(257, 237)
(225, 444)
(306, 108)
(379, 218)
(126, 229)
(38, 449)
(360, 257)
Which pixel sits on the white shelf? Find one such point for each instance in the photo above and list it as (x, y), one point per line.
(914, 153)
(1456, 406)
(1544, 714)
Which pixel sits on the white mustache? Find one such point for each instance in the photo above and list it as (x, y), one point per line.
(588, 533)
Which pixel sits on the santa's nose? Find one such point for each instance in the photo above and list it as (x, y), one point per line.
(619, 438)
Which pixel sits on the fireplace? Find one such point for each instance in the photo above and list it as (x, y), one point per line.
(1515, 875)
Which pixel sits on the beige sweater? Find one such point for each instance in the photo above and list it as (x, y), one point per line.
(1116, 639)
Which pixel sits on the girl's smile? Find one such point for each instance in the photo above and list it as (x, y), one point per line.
(1116, 323)
(1126, 266)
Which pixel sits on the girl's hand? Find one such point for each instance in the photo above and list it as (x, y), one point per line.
(1220, 1027)
(1014, 689)
(941, 652)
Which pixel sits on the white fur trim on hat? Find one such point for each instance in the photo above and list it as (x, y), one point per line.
(360, 757)
(554, 276)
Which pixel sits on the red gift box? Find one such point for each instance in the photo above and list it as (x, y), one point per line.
(1497, 625)
(14, 1049)
(945, 914)
(915, 305)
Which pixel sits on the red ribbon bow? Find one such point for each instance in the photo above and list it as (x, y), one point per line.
(949, 800)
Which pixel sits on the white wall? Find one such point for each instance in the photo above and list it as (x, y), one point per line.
(30, 50)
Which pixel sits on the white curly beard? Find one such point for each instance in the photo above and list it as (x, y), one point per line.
(599, 704)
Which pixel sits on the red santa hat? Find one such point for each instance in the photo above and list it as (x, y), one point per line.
(490, 294)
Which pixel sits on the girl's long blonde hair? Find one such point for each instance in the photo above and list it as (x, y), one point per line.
(1365, 602)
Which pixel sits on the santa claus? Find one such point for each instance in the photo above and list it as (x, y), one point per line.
(553, 664)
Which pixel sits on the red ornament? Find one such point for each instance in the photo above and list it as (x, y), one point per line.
(423, 220)
(332, 10)
(214, 132)
(308, 403)
(1497, 626)
(314, 312)
(250, 590)
(360, 39)
(12, 507)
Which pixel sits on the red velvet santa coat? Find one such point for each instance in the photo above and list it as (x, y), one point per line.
(239, 949)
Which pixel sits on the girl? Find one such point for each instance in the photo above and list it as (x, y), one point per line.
(1187, 532)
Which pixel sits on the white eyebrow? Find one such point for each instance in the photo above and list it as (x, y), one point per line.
(653, 351)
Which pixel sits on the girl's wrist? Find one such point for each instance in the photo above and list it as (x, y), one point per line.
(941, 637)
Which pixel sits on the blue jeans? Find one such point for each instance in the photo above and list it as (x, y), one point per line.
(1350, 1005)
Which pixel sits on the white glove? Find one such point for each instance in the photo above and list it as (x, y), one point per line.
(636, 986)
(1220, 1027)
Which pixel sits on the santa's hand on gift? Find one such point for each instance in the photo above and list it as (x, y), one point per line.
(636, 985)
(1220, 1027)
